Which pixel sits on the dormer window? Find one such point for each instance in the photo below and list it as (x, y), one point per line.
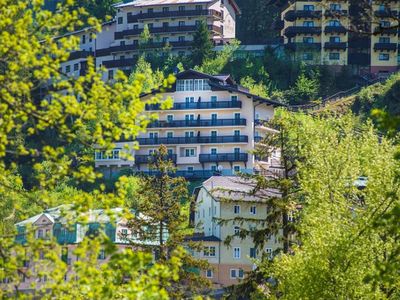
(192, 85)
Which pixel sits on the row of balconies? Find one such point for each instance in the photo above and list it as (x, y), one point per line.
(134, 47)
(203, 158)
(193, 140)
(197, 123)
(165, 29)
(292, 15)
(174, 14)
(338, 46)
(292, 31)
(199, 105)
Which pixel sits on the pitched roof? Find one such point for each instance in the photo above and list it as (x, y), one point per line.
(237, 189)
(200, 237)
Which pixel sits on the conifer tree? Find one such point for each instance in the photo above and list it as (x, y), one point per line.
(202, 47)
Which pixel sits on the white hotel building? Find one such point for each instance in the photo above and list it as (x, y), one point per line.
(210, 130)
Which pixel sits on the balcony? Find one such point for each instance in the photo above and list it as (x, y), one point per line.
(224, 157)
(80, 54)
(174, 14)
(197, 123)
(335, 29)
(385, 46)
(336, 13)
(303, 46)
(386, 30)
(165, 29)
(335, 46)
(199, 105)
(195, 174)
(146, 159)
(387, 13)
(292, 15)
(119, 63)
(194, 140)
(295, 30)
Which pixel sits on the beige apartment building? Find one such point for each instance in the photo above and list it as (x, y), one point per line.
(211, 129)
(230, 263)
(324, 33)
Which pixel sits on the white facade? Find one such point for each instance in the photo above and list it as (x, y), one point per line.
(208, 131)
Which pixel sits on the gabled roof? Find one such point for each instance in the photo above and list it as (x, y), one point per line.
(236, 188)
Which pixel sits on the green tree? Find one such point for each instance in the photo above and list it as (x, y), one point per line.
(304, 90)
(202, 47)
(154, 79)
(161, 201)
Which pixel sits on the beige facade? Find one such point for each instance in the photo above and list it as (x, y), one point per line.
(211, 128)
(322, 33)
(230, 263)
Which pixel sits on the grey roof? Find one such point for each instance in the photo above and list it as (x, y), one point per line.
(200, 237)
(237, 188)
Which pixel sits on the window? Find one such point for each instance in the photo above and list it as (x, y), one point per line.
(192, 85)
(268, 251)
(165, 25)
(189, 99)
(190, 169)
(213, 151)
(236, 209)
(181, 39)
(102, 254)
(214, 168)
(241, 273)
(236, 253)
(236, 230)
(214, 118)
(309, 7)
(153, 135)
(253, 253)
(197, 23)
(170, 118)
(209, 251)
(334, 56)
(170, 134)
(199, 7)
(165, 39)
(189, 134)
(384, 39)
(136, 26)
(236, 151)
(335, 6)
(110, 74)
(190, 152)
(234, 98)
(209, 274)
(237, 116)
(236, 169)
(67, 69)
(181, 8)
(213, 133)
(334, 23)
(76, 67)
(214, 99)
(40, 234)
(189, 117)
(308, 23)
(90, 38)
(181, 23)
(83, 39)
(236, 132)
(135, 42)
(334, 39)
(308, 40)
(150, 10)
(233, 273)
(120, 20)
(308, 56)
(384, 56)
(165, 9)
(253, 210)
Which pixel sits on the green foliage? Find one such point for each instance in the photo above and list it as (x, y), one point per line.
(258, 89)
(202, 48)
(154, 79)
(304, 90)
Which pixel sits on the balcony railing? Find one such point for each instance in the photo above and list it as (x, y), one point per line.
(119, 63)
(195, 174)
(335, 29)
(197, 123)
(386, 13)
(194, 140)
(386, 30)
(385, 46)
(224, 157)
(145, 159)
(303, 46)
(199, 105)
(174, 14)
(80, 54)
(292, 15)
(165, 29)
(127, 48)
(336, 13)
(335, 45)
(294, 30)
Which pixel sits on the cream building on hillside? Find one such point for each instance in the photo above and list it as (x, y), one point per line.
(212, 128)
(230, 263)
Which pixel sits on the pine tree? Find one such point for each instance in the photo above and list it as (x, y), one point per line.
(202, 44)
